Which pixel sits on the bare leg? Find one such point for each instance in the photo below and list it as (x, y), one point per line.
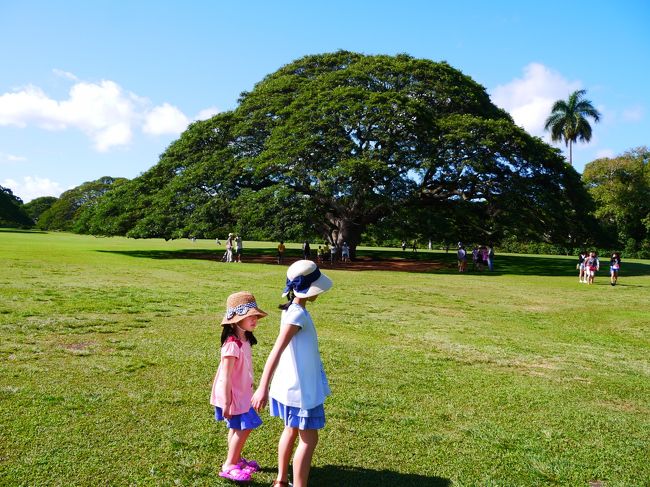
(303, 456)
(236, 441)
(285, 448)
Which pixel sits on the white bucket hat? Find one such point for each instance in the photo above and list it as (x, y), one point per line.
(306, 279)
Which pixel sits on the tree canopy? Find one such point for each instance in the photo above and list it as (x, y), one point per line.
(336, 144)
(568, 120)
(12, 213)
(37, 206)
(67, 212)
(620, 187)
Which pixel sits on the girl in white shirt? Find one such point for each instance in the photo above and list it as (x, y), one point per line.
(298, 385)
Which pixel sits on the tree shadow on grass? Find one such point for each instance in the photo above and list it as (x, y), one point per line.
(19, 230)
(342, 476)
(419, 262)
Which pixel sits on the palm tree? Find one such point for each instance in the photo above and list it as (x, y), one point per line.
(568, 120)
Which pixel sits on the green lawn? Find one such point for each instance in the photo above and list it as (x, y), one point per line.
(108, 347)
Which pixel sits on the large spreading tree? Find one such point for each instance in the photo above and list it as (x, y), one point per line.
(333, 143)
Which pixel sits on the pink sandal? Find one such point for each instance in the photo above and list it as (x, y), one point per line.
(250, 466)
(236, 474)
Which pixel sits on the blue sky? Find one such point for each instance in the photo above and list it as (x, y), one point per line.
(91, 89)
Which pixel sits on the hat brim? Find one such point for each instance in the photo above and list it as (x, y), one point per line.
(237, 318)
(320, 285)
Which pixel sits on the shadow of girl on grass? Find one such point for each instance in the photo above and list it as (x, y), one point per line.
(343, 476)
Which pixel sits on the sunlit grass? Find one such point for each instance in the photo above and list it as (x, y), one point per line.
(522, 377)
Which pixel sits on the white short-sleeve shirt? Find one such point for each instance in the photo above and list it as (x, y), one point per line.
(299, 378)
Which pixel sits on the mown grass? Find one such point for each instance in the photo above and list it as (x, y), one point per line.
(521, 377)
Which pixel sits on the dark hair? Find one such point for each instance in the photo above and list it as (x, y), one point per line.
(229, 330)
(290, 296)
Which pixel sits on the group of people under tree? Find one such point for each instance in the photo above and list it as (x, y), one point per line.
(589, 264)
(330, 252)
(481, 256)
(324, 253)
(234, 248)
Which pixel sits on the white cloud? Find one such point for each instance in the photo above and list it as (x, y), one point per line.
(11, 158)
(64, 74)
(207, 113)
(529, 99)
(633, 114)
(113, 135)
(104, 111)
(33, 187)
(165, 119)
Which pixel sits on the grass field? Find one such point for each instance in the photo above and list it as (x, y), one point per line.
(519, 377)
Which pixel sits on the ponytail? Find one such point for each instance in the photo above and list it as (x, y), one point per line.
(290, 297)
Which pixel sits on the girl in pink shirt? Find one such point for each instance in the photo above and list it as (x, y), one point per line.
(232, 388)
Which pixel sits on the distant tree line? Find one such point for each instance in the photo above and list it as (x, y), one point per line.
(374, 149)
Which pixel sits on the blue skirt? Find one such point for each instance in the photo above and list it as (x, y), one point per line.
(245, 421)
(303, 419)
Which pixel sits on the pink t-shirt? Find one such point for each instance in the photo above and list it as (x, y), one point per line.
(242, 377)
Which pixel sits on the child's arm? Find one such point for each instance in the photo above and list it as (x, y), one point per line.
(228, 364)
(261, 396)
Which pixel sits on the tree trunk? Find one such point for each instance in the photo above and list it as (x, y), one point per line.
(346, 230)
(570, 153)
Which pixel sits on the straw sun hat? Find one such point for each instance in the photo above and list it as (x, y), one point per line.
(239, 306)
(306, 279)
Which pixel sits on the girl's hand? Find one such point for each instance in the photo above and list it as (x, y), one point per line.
(226, 410)
(260, 398)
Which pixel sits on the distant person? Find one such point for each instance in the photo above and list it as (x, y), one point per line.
(345, 252)
(294, 370)
(414, 247)
(333, 251)
(490, 259)
(592, 264)
(403, 245)
(281, 250)
(229, 245)
(306, 250)
(582, 274)
(232, 388)
(320, 254)
(239, 248)
(462, 258)
(474, 257)
(479, 259)
(217, 241)
(614, 267)
(429, 244)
